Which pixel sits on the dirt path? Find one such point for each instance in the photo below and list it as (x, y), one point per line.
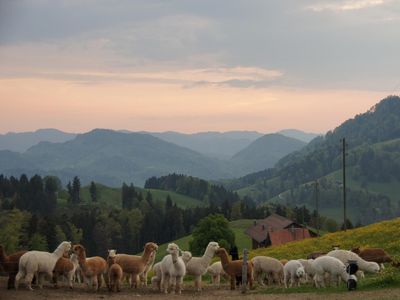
(209, 292)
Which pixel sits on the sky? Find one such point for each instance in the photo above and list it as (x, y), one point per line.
(193, 66)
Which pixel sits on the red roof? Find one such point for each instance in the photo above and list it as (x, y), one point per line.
(284, 236)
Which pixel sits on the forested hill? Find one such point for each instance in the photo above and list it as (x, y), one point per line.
(373, 161)
(265, 151)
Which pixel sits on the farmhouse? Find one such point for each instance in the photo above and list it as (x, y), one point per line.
(276, 230)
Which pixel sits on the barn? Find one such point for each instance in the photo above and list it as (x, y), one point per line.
(276, 230)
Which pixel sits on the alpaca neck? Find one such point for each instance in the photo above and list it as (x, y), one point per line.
(174, 256)
(3, 255)
(74, 259)
(225, 259)
(208, 255)
(59, 252)
(146, 256)
(82, 260)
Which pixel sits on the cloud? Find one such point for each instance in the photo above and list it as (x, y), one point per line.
(346, 5)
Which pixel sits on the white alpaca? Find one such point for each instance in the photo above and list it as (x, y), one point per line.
(307, 264)
(156, 279)
(197, 266)
(216, 271)
(293, 270)
(172, 270)
(331, 265)
(272, 267)
(344, 256)
(39, 262)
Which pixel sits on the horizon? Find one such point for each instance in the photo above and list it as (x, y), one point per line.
(195, 66)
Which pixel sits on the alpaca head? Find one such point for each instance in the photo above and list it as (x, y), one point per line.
(372, 267)
(79, 250)
(186, 256)
(212, 246)
(112, 253)
(65, 247)
(173, 248)
(150, 247)
(221, 252)
(300, 272)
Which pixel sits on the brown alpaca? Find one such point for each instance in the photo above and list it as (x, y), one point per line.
(377, 255)
(135, 265)
(92, 268)
(284, 261)
(115, 275)
(10, 265)
(234, 268)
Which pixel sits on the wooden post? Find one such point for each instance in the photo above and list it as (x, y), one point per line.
(244, 271)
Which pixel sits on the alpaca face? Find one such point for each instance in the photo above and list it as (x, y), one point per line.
(66, 246)
(172, 248)
(78, 249)
(300, 272)
(220, 251)
(112, 253)
(213, 246)
(151, 247)
(374, 267)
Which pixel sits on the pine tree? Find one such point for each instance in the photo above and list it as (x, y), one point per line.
(93, 191)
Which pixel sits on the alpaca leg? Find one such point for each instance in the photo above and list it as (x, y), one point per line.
(11, 280)
(172, 284)
(197, 281)
(382, 266)
(28, 280)
(178, 285)
(99, 281)
(258, 275)
(250, 279)
(217, 280)
(233, 282)
(285, 280)
(95, 283)
(291, 281)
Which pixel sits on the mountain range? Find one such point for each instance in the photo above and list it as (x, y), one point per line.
(373, 169)
(112, 157)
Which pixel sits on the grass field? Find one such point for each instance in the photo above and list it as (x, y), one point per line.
(110, 196)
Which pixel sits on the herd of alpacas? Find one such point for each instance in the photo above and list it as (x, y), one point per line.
(70, 261)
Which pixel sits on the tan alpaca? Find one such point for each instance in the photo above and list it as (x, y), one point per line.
(92, 268)
(135, 265)
(234, 268)
(114, 272)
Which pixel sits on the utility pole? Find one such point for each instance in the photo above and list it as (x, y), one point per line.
(344, 185)
(317, 205)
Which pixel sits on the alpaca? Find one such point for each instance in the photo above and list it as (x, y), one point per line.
(344, 256)
(39, 262)
(197, 266)
(143, 275)
(377, 255)
(272, 267)
(331, 265)
(310, 272)
(92, 268)
(66, 267)
(216, 271)
(10, 265)
(156, 279)
(114, 272)
(135, 265)
(294, 271)
(172, 270)
(234, 268)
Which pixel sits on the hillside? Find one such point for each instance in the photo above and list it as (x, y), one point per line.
(22, 141)
(373, 158)
(381, 235)
(221, 145)
(110, 196)
(298, 134)
(112, 157)
(265, 152)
